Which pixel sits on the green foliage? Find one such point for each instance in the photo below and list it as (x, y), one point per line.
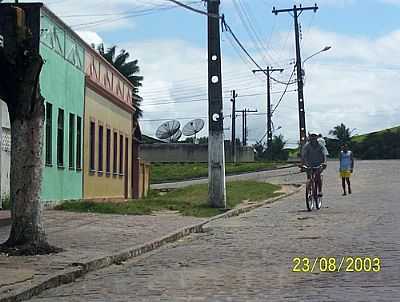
(362, 137)
(260, 149)
(342, 133)
(333, 146)
(381, 145)
(377, 145)
(189, 201)
(201, 141)
(129, 69)
(6, 202)
(277, 152)
(293, 152)
(188, 140)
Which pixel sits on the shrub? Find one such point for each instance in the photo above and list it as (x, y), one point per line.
(6, 202)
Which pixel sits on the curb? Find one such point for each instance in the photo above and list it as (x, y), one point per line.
(5, 222)
(78, 270)
(248, 208)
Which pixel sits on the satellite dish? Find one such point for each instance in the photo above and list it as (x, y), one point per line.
(174, 138)
(167, 129)
(193, 127)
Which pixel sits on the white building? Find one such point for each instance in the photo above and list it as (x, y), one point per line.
(5, 152)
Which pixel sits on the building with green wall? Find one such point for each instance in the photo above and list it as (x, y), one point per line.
(62, 82)
(86, 99)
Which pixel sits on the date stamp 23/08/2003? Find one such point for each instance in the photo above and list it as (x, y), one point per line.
(347, 264)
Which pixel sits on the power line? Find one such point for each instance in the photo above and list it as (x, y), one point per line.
(239, 43)
(205, 99)
(284, 92)
(175, 118)
(192, 89)
(241, 56)
(228, 28)
(265, 46)
(128, 15)
(252, 33)
(194, 9)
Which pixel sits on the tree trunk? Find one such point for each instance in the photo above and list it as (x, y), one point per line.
(20, 66)
(27, 236)
(25, 176)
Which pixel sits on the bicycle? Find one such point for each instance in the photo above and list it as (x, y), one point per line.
(312, 193)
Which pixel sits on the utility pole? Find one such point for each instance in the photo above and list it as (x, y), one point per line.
(244, 124)
(296, 13)
(216, 156)
(268, 71)
(234, 95)
(244, 127)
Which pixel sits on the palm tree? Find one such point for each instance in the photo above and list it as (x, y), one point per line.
(342, 133)
(128, 69)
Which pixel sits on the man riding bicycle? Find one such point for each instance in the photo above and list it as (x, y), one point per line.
(313, 155)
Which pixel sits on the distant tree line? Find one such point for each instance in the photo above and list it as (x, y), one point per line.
(377, 145)
(383, 145)
(277, 152)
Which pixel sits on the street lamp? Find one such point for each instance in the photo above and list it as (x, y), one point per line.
(276, 129)
(318, 52)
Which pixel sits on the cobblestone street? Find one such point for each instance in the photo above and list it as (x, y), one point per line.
(250, 257)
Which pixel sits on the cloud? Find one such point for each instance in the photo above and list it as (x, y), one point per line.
(101, 15)
(90, 37)
(351, 83)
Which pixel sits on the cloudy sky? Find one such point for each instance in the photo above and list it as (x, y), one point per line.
(354, 82)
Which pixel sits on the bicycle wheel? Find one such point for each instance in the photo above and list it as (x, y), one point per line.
(317, 198)
(309, 196)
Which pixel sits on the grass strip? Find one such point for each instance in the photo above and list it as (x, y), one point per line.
(183, 171)
(189, 201)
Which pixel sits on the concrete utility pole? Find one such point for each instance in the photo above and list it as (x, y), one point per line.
(233, 100)
(296, 13)
(244, 124)
(244, 127)
(216, 156)
(269, 70)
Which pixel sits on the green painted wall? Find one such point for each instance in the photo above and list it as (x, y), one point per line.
(62, 84)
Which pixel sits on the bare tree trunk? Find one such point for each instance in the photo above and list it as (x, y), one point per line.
(26, 176)
(21, 92)
(27, 236)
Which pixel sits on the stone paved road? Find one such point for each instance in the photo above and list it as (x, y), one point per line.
(249, 258)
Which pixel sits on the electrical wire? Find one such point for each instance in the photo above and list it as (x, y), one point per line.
(128, 15)
(250, 16)
(179, 3)
(248, 26)
(228, 28)
(205, 99)
(283, 94)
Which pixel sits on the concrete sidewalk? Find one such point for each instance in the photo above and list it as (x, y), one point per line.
(93, 241)
(85, 238)
(5, 218)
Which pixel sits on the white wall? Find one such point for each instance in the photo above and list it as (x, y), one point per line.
(5, 148)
